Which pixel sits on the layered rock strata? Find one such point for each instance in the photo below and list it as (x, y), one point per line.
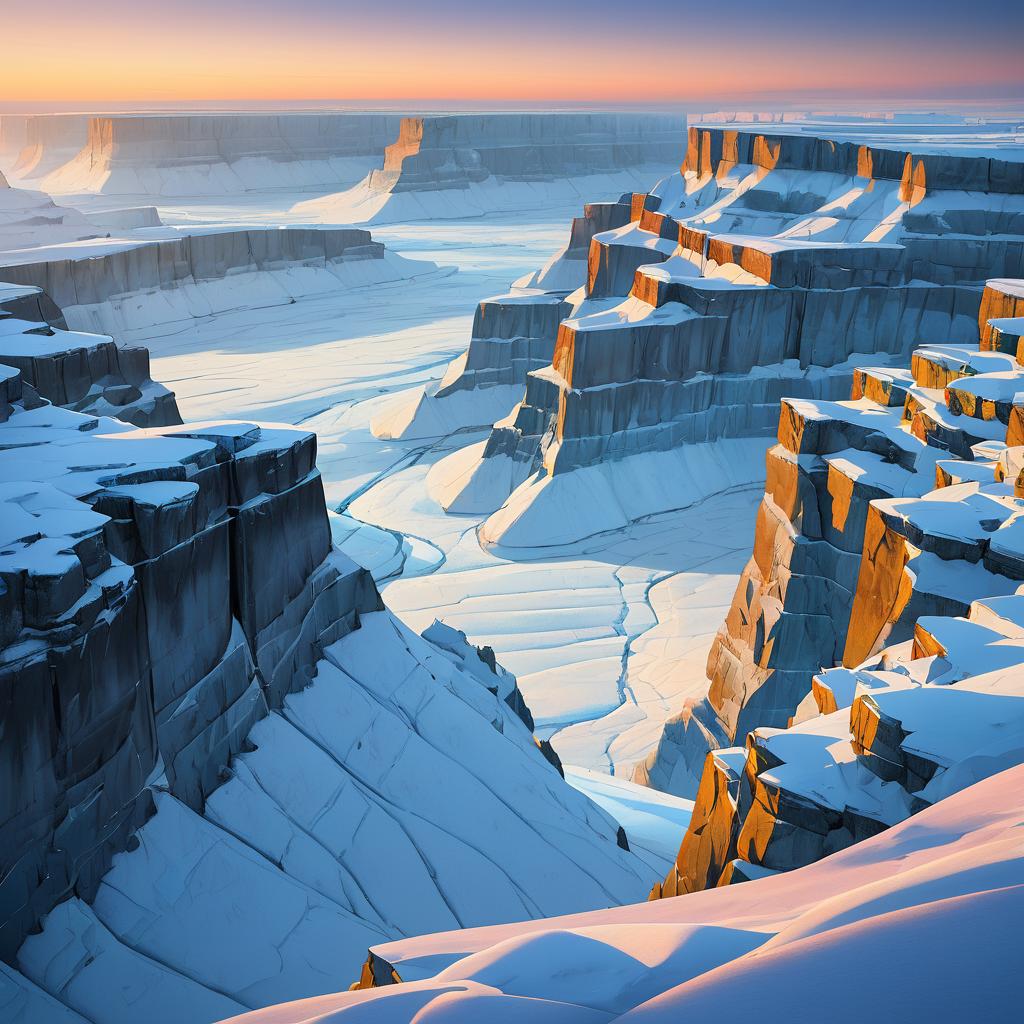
(770, 266)
(512, 335)
(85, 372)
(891, 541)
(227, 769)
(124, 286)
(189, 154)
(444, 152)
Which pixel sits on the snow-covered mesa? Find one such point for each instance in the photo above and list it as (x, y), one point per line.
(770, 266)
(302, 743)
(219, 639)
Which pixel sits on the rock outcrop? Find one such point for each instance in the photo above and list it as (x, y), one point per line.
(890, 541)
(770, 266)
(212, 154)
(85, 372)
(227, 769)
(466, 164)
(512, 335)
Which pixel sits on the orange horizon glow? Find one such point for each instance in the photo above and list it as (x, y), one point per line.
(309, 53)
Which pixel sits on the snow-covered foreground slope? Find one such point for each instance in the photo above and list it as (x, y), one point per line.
(228, 768)
(946, 888)
(393, 795)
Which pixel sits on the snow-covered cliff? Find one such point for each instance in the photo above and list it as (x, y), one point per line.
(463, 165)
(770, 266)
(227, 768)
(212, 154)
(117, 285)
(85, 372)
(889, 542)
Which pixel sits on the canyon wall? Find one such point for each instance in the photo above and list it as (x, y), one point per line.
(33, 145)
(210, 154)
(770, 266)
(117, 286)
(474, 164)
(227, 768)
(889, 542)
(512, 335)
(454, 151)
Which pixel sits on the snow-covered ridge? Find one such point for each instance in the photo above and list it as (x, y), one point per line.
(30, 218)
(229, 768)
(770, 266)
(987, 133)
(116, 286)
(887, 910)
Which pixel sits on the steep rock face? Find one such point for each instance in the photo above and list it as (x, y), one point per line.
(512, 335)
(889, 541)
(180, 637)
(475, 164)
(33, 145)
(188, 154)
(85, 372)
(455, 151)
(123, 286)
(768, 267)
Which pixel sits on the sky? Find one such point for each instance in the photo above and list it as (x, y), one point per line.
(575, 51)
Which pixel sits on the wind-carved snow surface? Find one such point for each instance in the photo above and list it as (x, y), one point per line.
(888, 909)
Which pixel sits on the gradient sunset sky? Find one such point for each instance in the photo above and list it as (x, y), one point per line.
(629, 51)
